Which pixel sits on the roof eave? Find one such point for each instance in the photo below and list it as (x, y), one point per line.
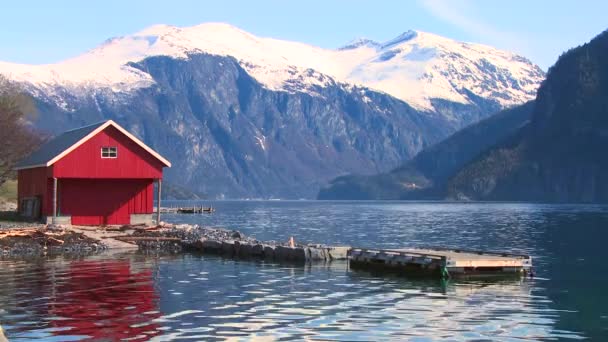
(140, 143)
(92, 134)
(24, 167)
(101, 128)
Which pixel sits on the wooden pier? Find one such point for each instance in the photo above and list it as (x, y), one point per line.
(434, 262)
(187, 210)
(441, 262)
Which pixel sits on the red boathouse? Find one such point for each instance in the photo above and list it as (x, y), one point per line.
(94, 175)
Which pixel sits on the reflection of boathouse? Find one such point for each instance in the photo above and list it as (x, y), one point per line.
(94, 299)
(106, 301)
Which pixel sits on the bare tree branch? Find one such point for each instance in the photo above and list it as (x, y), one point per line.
(18, 138)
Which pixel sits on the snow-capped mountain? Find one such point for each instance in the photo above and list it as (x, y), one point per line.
(415, 66)
(241, 116)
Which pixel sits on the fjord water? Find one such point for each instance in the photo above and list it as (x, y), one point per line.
(196, 297)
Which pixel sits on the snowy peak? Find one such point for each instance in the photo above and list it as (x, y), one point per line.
(414, 66)
(404, 37)
(362, 41)
(366, 42)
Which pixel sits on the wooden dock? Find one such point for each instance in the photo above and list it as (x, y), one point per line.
(441, 262)
(187, 210)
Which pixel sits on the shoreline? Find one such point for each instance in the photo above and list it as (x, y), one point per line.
(27, 240)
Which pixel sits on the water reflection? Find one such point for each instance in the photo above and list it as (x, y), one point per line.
(224, 298)
(209, 298)
(63, 299)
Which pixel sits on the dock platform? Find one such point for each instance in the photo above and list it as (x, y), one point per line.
(441, 262)
(186, 210)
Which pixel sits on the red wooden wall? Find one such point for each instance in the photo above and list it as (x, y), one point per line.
(35, 183)
(105, 201)
(86, 162)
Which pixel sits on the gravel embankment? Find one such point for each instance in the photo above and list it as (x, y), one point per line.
(189, 235)
(5, 225)
(22, 239)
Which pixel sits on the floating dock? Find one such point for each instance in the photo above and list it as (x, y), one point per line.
(441, 262)
(435, 262)
(187, 210)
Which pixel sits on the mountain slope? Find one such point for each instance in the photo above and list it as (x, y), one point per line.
(244, 116)
(560, 156)
(425, 176)
(228, 136)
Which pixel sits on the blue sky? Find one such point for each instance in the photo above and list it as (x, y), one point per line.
(40, 32)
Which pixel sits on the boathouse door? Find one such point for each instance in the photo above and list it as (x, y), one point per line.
(104, 201)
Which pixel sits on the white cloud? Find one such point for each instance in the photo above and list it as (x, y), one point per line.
(461, 14)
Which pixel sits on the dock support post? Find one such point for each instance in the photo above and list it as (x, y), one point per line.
(159, 182)
(54, 200)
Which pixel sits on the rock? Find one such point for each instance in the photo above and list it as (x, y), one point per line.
(198, 244)
(55, 226)
(212, 246)
(229, 247)
(245, 249)
(257, 250)
(317, 254)
(300, 254)
(338, 252)
(282, 253)
(269, 252)
(236, 234)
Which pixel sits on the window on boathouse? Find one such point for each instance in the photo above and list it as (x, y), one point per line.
(109, 152)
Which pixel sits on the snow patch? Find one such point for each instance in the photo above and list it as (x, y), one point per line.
(261, 140)
(415, 66)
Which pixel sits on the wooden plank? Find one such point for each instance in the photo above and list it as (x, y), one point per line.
(145, 238)
(474, 251)
(404, 252)
(453, 260)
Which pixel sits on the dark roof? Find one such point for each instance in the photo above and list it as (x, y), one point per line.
(56, 145)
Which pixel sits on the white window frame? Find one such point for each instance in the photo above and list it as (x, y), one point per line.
(111, 152)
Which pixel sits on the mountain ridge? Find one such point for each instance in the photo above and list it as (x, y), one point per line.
(415, 66)
(258, 126)
(229, 137)
(559, 155)
(426, 175)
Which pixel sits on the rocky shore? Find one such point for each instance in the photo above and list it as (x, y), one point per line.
(18, 238)
(232, 243)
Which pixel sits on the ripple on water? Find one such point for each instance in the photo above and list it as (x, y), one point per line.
(208, 298)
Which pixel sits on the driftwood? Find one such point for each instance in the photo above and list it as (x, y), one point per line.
(115, 229)
(23, 228)
(146, 238)
(31, 232)
(61, 242)
(131, 226)
(20, 232)
(147, 229)
(91, 229)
